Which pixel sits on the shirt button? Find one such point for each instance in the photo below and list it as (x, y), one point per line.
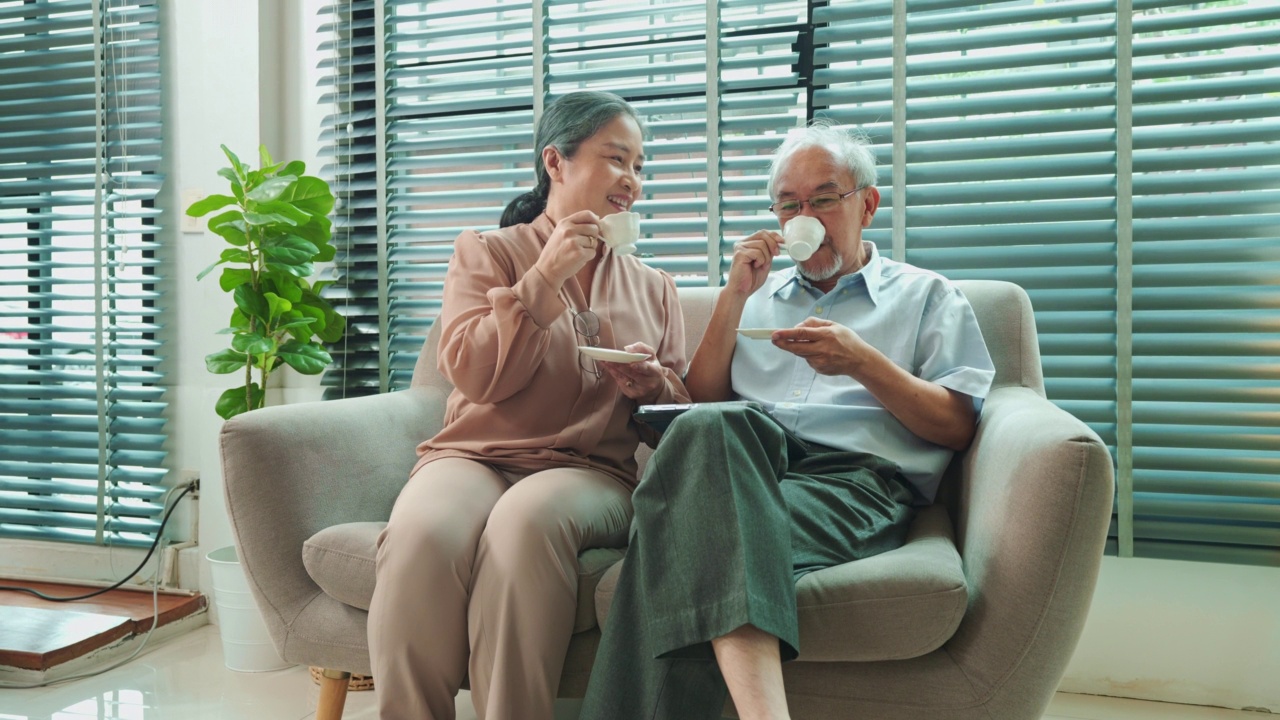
(795, 394)
(818, 310)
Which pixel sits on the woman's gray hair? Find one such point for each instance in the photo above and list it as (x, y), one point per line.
(564, 125)
(850, 148)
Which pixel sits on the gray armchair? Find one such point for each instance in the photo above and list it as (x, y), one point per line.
(975, 617)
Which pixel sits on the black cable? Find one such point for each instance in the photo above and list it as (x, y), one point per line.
(154, 545)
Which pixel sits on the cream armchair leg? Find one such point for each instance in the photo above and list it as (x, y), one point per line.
(333, 694)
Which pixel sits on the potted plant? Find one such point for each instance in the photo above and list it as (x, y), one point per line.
(276, 226)
(275, 222)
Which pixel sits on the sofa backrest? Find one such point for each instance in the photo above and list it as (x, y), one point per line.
(1003, 310)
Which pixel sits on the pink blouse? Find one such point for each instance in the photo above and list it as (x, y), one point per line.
(509, 347)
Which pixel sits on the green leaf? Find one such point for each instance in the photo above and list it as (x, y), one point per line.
(233, 278)
(286, 285)
(278, 305)
(290, 250)
(236, 255)
(230, 225)
(257, 219)
(206, 205)
(295, 168)
(237, 166)
(252, 302)
(311, 194)
(325, 253)
(304, 322)
(315, 314)
(252, 344)
(239, 320)
(270, 189)
(236, 186)
(334, 324)
(227, 331)
(306, 358)
(254, 180)
(209, 269)
(225, 361)
(232, 402)
(315, 231)
(264, 157)
(280, 207)
(299, 271)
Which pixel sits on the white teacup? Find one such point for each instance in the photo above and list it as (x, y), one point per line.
(802, 235)
(620, 231)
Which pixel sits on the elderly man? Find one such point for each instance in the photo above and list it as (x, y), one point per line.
(874, 377)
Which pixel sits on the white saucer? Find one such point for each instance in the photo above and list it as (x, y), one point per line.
(757, 333)
(618, 356)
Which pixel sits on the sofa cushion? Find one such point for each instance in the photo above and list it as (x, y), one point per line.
(340, 559)
(900, 604)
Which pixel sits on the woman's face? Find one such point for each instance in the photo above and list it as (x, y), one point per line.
(603, 176)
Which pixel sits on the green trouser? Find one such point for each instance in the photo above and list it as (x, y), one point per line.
(731, 512)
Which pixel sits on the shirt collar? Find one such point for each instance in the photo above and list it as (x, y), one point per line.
(543, 227)
(871, 274)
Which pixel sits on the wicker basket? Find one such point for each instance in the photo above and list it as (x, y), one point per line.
(357, 682)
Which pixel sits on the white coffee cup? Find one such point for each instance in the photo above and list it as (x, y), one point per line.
(620, 231)
(802, 235)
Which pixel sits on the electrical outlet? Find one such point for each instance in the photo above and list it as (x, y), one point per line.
(190, 224)
(188, 476)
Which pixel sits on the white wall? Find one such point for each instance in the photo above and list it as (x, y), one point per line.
(1195, 633)
(241, 72)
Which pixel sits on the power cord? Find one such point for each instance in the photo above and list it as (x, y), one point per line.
(154, 545)
(155, 606)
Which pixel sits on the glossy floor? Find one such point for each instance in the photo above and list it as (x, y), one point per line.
(184, 679)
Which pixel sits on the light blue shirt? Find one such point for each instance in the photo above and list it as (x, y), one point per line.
(917, 318)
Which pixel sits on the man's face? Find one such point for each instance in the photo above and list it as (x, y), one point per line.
(812, 171)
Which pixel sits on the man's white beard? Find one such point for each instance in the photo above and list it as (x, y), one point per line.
(822, 272)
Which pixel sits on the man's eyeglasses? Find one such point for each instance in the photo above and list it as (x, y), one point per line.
(822, 202)
(587, 324)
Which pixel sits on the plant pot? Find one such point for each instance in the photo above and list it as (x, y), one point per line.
(246, 645)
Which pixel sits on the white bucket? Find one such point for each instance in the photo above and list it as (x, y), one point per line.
(246, 645)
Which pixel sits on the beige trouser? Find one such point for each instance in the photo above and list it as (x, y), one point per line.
(482, 564)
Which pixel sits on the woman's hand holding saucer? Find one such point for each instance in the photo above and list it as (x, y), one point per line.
(641, 381)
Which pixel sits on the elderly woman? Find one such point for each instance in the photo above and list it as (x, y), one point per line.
(477, 568)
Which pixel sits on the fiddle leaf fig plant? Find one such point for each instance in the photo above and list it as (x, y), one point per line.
(276, 227)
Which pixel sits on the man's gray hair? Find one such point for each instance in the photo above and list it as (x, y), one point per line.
(849, 147)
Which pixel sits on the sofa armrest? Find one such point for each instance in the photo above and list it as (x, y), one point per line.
(292, 470)
(1034, 506)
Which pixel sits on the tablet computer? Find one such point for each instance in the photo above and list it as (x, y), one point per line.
(659, 417)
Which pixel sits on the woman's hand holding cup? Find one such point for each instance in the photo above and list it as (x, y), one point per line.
(571, 246)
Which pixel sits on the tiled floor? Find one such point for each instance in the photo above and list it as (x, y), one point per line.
(184, 679)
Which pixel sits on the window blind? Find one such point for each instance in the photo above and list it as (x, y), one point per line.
(653, 54)
(82, 423)
(1206, 280)
(1115, 160)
